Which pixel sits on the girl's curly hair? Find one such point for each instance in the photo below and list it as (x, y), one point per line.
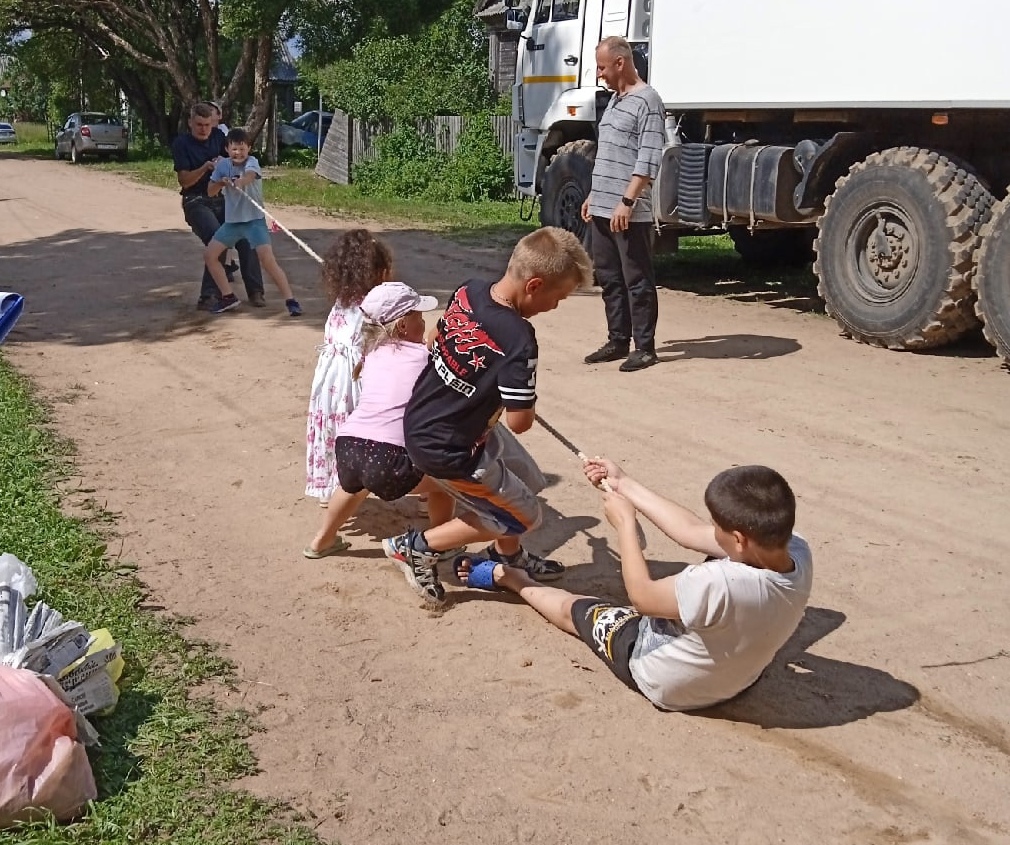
(353, 265)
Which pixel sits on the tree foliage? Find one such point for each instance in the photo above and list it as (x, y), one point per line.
(328, 30)
(440, 70)
(165, 54)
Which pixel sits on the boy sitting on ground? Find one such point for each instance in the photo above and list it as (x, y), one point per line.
(704, 635)
(483, 364)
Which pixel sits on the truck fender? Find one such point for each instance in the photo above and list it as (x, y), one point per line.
(821, 164)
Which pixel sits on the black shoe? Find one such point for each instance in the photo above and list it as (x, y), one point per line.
(538, 568)
(639, 360)
(257, 299)
(206, 303)
(610, 351)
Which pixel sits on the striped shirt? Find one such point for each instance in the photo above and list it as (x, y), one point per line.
(630, 144)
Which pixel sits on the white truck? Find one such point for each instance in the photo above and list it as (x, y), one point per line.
(871, 136)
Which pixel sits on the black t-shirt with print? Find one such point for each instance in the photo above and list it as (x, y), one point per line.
(483, 360)
(190, 154)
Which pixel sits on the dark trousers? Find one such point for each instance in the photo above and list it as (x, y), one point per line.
(204, 215)
(623, 265)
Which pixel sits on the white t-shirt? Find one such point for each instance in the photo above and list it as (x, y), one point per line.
(387, 380)
(734, 618)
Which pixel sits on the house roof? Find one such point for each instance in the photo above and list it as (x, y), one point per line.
(493, 8)
(283, 69)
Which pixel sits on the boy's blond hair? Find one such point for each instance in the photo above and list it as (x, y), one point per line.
(551, 254)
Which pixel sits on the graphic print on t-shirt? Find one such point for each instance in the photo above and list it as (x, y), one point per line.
(484, 359)
(470, 346)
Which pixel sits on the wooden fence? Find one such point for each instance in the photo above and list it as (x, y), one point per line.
(350, 141)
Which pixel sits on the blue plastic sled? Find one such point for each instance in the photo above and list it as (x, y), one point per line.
(11, 306)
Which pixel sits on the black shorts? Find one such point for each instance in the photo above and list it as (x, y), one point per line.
(380, 468)
(610, 631)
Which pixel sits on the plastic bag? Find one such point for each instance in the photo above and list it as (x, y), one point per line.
(42, 765)
(90, 683)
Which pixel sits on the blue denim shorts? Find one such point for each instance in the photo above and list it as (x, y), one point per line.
(254, 231)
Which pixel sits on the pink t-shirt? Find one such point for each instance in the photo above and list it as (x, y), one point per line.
(387, 380)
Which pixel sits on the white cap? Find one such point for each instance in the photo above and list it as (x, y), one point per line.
(388, 302)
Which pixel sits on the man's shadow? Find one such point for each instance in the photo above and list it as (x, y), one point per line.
(802, 690)
(744, 347)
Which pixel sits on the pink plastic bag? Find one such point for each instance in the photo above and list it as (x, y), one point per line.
(42, 765)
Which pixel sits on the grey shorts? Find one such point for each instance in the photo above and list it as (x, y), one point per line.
(499, 499)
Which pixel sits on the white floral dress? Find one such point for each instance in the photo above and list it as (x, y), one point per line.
(334, 395)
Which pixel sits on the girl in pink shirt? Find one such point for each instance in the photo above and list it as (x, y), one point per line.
(370, 453)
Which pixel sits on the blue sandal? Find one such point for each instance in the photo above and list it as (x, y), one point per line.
(480, 576)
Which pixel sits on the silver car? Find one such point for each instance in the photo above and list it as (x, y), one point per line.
(7, 134)
(92, 134)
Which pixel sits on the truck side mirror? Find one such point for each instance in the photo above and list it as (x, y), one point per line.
(515, 19)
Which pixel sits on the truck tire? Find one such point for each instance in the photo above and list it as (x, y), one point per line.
(992, 280)
(567, 182)
(774, 247)
(896, 249)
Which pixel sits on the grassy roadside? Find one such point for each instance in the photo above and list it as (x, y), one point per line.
(297, 186)
(166, 761)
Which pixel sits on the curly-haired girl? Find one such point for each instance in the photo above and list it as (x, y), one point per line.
(355, 264)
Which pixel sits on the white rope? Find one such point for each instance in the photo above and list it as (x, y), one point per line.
(282, 227)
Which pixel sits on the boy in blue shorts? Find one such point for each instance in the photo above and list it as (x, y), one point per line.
(239, 175)
(484, 366)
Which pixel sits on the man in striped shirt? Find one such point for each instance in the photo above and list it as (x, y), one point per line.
(619, 208)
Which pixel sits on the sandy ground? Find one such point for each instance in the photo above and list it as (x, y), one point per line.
(883, 720)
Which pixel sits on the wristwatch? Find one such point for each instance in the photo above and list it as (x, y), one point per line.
(629, 202)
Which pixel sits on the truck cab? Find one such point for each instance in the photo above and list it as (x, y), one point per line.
(556, 98)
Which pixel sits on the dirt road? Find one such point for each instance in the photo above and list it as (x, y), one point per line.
(884, 720)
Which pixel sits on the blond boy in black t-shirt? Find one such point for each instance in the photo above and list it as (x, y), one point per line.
(483, 366)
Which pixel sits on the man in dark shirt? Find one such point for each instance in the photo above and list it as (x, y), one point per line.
(194, 154)
(484, 365)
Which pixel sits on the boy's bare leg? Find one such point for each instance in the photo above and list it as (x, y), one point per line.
(212, 258)
(553, 603)
(457, 532)
(440, 504)
(342, 507)
(268, 262)
(508, 546)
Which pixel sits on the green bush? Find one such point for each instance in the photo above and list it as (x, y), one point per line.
(297, 157)
(406, 165)
(478, 169)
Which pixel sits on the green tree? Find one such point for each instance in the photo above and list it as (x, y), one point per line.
(441, 69)
(329, 30)
(166, 54)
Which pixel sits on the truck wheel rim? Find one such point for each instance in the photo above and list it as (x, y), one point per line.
(570, 201)
(885, 245)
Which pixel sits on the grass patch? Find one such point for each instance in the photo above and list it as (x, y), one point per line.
(166, 760)
(33, 140)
